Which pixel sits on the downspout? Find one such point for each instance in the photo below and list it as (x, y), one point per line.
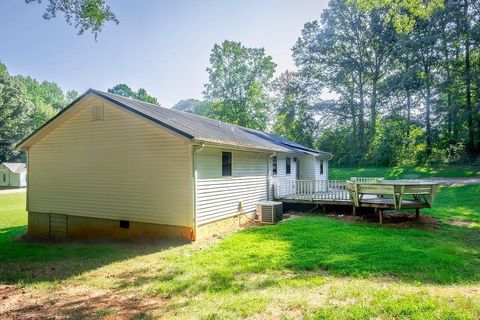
(268, 174)
(194, 173)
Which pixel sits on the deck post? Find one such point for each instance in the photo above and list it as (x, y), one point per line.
(324, 208)
(380, 215)
(417, 213)
(354, 210)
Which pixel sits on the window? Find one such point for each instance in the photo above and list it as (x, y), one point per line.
(274, 165)
(288, 165)
(97, 113)
(226, 164)
(124, 224)
(321, 166)
(4, 177)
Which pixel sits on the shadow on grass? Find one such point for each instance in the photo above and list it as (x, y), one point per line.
(78, 304)
(356, 249)
(304, 250)
(297, 252)
(29, 262)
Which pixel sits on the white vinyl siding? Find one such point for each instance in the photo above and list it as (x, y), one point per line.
(123, 167)
(218, 197)
(282, 167)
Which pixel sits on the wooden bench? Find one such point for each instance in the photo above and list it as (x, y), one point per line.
(391, 194)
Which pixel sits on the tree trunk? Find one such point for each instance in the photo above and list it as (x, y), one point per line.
(361, 118)
(448, 81)
(468, 90)
(449, 118)
(409, 116)
(373, 105)
(428, 97)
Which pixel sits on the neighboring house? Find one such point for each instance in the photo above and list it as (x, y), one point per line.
(110, 166)
(13, 174)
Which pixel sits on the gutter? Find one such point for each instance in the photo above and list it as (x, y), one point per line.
(195, 149)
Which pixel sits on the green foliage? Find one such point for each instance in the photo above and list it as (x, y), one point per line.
(26, 104)
(413, 172)
(125, 91)
(47, 98)
(143, 96)
(84, 15)
(238, 81)
(399, 98)
(402, 13)
(16, 111)
(71, 95)
(396, 142)
(192, 106)
(294, 117)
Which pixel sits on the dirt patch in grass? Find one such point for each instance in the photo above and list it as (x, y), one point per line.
(407, 220)
(391, 218)
(78, 302)
(460, 223)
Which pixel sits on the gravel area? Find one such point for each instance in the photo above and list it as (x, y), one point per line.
(7, 191)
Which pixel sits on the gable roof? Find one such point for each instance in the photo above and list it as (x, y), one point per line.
(198, 128)
(15, 167)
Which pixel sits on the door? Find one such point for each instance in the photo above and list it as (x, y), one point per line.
(4, 178)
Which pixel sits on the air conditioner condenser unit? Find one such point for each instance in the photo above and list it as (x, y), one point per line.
(269, 212)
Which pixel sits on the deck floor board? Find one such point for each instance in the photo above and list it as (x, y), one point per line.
(367, 201)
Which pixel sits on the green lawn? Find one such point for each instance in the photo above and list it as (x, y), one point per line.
(310, 267)
(405, 172)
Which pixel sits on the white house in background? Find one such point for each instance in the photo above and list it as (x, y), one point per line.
(109, 166)
(13, 174)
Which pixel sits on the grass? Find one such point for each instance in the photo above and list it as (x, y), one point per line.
(405, 172)
(310, 267)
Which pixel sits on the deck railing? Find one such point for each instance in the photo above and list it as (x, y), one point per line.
(310, 189)
(365, 179)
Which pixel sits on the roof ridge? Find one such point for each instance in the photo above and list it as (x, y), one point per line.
(173, 110)
(284, 142)
(191, 126)
(124, 97)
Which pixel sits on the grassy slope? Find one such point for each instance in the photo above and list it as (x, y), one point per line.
(313, 267)
(405, 172)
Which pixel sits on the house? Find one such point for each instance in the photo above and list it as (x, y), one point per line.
(114, 167)
(13, 174)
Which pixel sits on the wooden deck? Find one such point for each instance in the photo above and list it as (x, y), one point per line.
(357, 192)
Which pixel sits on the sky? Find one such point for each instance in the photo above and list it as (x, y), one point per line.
(162, 46)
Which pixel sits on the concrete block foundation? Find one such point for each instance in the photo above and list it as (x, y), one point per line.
(68, 227)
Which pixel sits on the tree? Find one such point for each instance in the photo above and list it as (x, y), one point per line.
(191, 106)
(294, 117)
(142, 95)
(71, 95)
(239, 78)
(403, 14)
(125, 91)
(15, 114)
(347, 52)
(389, 85)
(47, 92)
(84, 15)
(47, 98)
